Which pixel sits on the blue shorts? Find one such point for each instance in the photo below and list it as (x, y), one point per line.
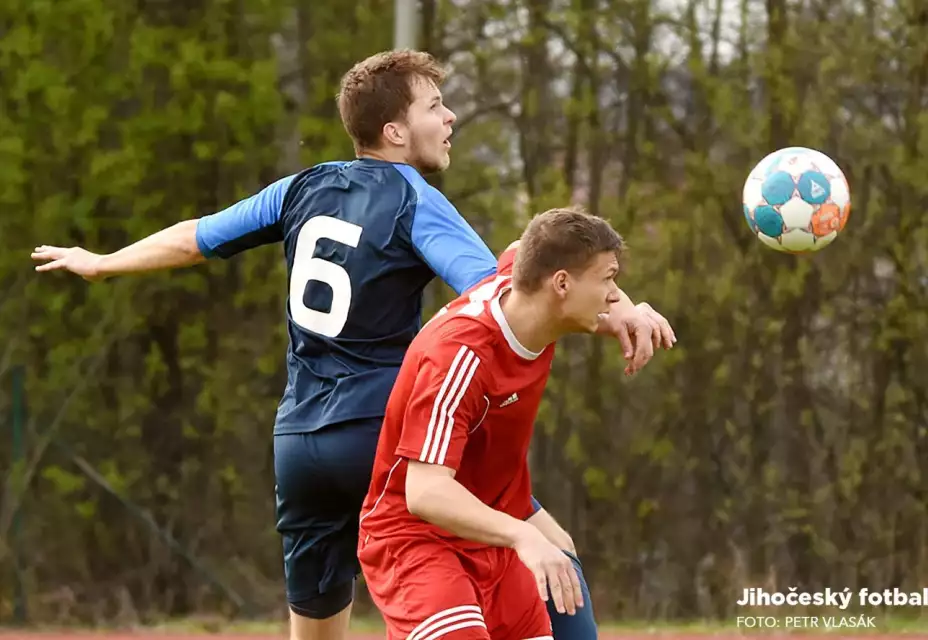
(322, 478)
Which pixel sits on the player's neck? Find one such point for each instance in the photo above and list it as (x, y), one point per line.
(529, 320)
(396, 156)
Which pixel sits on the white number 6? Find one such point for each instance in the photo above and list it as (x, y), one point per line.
(307, 268)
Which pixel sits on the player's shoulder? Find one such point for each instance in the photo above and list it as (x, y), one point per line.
(397, 186)
(454, 329)
(311, 176)
(492, 286)
(454, 347)
(468, 320)
(332, 166)
(374, 182)
(449, 334)
(427, 197)
(321, 170)
(507, 260)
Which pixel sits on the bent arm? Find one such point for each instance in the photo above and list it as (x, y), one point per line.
(434, 495)
(554, 532)
(616, 309)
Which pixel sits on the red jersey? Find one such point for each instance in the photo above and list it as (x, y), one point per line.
(466, 397)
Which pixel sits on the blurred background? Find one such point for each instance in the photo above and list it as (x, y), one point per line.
(782, 443)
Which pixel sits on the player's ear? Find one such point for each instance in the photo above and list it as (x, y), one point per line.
(561, 282)
(394, 133)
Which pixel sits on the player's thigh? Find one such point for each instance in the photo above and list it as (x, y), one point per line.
(422, 590)
(327, 471)
(318, 502)
(351, 447)
(517, 610)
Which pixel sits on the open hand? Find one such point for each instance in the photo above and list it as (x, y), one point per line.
(552, 570)
(73, 259)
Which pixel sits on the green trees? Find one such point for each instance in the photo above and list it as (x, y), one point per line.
(782, 439)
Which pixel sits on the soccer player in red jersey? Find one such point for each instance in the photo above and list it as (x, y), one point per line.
(444, 544)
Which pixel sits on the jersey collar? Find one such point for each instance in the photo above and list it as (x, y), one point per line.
(497, 312)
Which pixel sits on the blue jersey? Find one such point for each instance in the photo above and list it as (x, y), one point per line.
(361, 239)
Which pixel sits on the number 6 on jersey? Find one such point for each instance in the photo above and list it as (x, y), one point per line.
(306, 268)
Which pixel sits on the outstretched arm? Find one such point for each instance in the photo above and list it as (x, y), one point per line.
(248, 223)
(169, 248)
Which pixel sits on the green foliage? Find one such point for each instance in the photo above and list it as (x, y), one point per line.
(783, 439)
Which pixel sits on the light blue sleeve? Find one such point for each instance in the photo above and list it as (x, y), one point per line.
(448, 244)
(248, 223)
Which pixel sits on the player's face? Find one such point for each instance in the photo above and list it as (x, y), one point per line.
(590, 293)
(429, 122)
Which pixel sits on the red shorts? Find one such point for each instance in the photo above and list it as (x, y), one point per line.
(427, 589)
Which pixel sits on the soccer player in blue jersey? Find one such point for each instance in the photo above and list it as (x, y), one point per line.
(361, 240)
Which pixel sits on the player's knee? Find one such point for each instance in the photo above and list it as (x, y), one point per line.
(324, 605)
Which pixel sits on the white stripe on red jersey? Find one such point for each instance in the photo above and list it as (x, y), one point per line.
(449, 397)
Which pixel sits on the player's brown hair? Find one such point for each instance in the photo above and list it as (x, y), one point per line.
(566, 238)
(378, 90)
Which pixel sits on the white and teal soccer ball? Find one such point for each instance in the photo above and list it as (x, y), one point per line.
(796, 200)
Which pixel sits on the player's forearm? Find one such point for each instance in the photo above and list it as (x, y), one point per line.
(624, 305)
(169, 248)
(447, 504)
(555, 533)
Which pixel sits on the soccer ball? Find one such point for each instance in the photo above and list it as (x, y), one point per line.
(796, 200)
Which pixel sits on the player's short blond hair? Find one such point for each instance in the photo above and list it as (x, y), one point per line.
(378, 90)
(565, 238)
